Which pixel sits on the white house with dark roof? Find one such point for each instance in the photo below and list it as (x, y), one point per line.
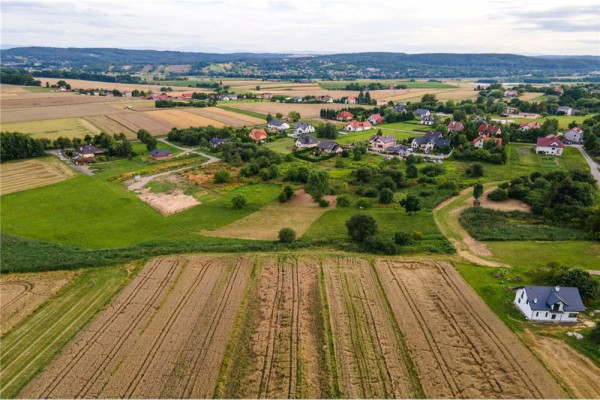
(427, 120)
(422, 112)
(302, 128)
(564, 110)
(329, 146)
(276, 125)
(549, 303)
(305, 142)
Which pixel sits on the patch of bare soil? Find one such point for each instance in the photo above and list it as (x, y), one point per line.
(505, 205)
(461, 349)
(168, 203)
(22, 294)
(577, 372)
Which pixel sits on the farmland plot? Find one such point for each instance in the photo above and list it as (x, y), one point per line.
(226, 117)
(135, 121)
(305, 110)
(280, 353)
(110, 126)
(183, 119)
(22, 175)
(460, 348)
(164, 336)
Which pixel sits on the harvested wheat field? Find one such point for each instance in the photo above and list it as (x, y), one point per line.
(135, 121)
(184, 119)
(22, 175)
(22, 294)
(459, 346)
(41, 100)
(53, 128)
(110, 126)
(370, 350)
(83, 84)
(305, 110)
(226, 117)
(280, 353)
(56, 112)
(164, 336)
(298, 213)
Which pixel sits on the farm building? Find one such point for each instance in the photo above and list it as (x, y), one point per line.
(161, 154)
(217, 143)
(525, 126)
(480, 141)
(381, 143)
(510, 111)
(574, 135)
(549, 304)
(355, 126)
(257, 135)
(185, 96)
(427, 120)
(485, 129)
(344, 116)
(455, 126)
(422, 112)
(550, 145)
(228, 97)
(327, 146)
(564, 110)
(276, 125)
(88, 151)
(375, 119)
(266, 96)
(305, 142)
(302, 128)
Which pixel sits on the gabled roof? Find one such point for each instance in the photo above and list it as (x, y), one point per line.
(356, 124)
(160, 153)
(258, 134)
(306, 139)
(486, 128)
(217, 140)
(455, 126)
(427, 118)
(564, 108)
(575, 130)
(421, 140)
(383, 138)
(275, 122)
(529, 125)
(376, 117)
(400, 109)
(89, 149)
(541, 298)
(302, 125)
(549, 141)
(327, 145)
(434, 134)
(421, 111)
(345, 114)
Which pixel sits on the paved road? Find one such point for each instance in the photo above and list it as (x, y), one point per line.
(593, 165)
(81, 168)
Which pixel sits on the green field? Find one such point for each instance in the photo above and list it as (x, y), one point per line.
(283, 146)
(31, 345)
(563, 120)
(582, 254)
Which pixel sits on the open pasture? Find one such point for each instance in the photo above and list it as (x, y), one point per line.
(228, 118)
(134, 121)
(22, 175)
(183, 119)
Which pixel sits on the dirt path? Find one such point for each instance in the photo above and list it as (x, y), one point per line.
(460, 347)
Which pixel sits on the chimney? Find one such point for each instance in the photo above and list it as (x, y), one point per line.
(535, 300)
(557, 288)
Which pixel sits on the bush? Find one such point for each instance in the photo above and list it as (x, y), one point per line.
(433, 170)
(323, 203)
(589, 288)
(361, 226)
(342, 201)
(287, 235)
(402, 238)
(595, 334)
(389, 183)
(386, 196)
(282, 197)
(498, 195)
(372, 192)
(363, 203)
(289, 191)
(376, 245)
(222, 176)
(416, 235)
(475, 170)
(238, 202)
(411, 171)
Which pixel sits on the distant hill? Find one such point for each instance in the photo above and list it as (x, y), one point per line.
(325, 66)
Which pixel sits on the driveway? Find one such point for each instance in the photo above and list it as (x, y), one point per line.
(593, 164)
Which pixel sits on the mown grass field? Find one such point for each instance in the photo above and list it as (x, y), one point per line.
(32, 344)
(526, 254)
(19, 175)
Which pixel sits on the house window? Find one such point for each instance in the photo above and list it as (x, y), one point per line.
(527, 302)
(573, 315)
(537, 313)
(522, 294)
(546, 315)
(519, 301)
(553, 316)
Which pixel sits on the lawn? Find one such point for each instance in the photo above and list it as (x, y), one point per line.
(283, 146)
(563, 120)
(354, 137)
(32, 344)
(526, 254)
(406, 126)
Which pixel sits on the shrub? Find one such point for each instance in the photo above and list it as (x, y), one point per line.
(363, 203)
(377, 245)
(433, 170)
(342, 201)
(475, 170)
(317, 184)
(238, 202)
(402, 238)
(589, 288)
(323, 203)
(386, 196)
(595, 334)
(389, 183)
(416, 235)
(222, 176)
(283, 197)
(410, 204)
(411, 171)
(372, 192)
(361, 226)
(287, 235)
(498, 195)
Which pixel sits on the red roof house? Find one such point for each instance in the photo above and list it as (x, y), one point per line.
(525, 126)
(258, 134)
(489, 129)
(185, 96)
(549, 145)
(376, 119)
(351, 100)
(344, 115)
(455, 126)
(480, 141)
(355, 126)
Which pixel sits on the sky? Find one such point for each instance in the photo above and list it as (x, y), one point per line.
(530, 27)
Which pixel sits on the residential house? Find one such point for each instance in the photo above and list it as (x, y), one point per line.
(525, 126)
(266, 96)
(351, 100)
(324, 99)
(400, 149)
(574, 135)
(422, 112)
(559, 90)
(89, 152)
(328, 146)
(62, 89)
(305, 142)
(455, 126)
(217, 143)
(430, 141)
(564, 110)
(549, 303)
(258, 135)
(480, 141)
(186, 96)
(511, 93)
(550, 145)
(510, 111)
(276, 125)
(376, 119)
(485, 129)
(382, 143)
(427, 120)
(161, 154)
(355, 126)
(344, 116)
(302, 128)
(228, 97)
(400, 109)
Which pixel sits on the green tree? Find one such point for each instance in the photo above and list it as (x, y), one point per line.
(475, 170)
(361, 226)
(410, 204)
(238, 202)
(293, 116)
(287, 235)
(343, 201)
(477, 190)
(589, 288)
(550, 126)
(279, 115)
(222, 176)
(386, 196)
(412, 171)
(317, 184)
(269, 117)
(595, 334)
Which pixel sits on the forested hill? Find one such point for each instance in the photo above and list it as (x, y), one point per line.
(350, 65)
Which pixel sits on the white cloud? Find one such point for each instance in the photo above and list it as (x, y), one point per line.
(537, 27)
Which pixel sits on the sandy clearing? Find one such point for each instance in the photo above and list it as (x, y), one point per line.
(460, 347)
(135, 121)
(183, 119)
(298, 213)
(371, 355)
(505, 205)
(22, 175)
(168, 203)
(163, 337)
(22, 294)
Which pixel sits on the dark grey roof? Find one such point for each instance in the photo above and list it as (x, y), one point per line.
(427, 118)
(421, 140)
(434, 134)
(217, 140)
(275, 122)
(326, 145)
(400, 109)
(441, 142)
(546, 296)
(89, 149)
(301, 125)
(397, 149)
(384, 138)
(160, 153)
(306, 139)
(421, 111)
